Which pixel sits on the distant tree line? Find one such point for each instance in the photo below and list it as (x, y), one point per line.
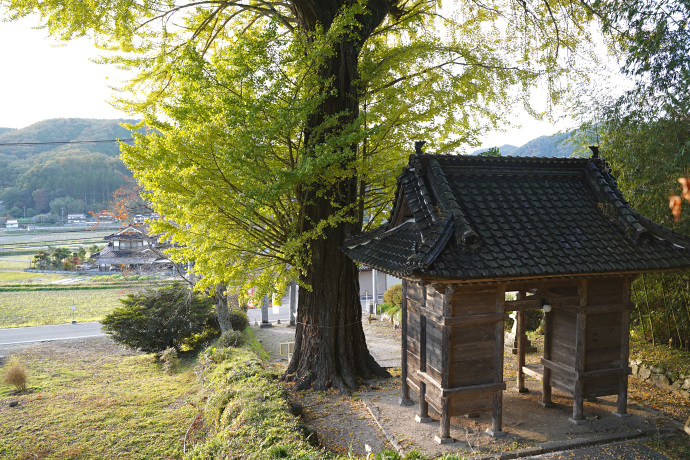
(51, 181)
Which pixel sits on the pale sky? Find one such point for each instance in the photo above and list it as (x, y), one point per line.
(43, 79)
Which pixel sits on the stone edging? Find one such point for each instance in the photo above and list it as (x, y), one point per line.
(663, 380)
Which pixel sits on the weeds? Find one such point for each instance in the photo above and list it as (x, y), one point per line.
(169, 360)
(15, 374)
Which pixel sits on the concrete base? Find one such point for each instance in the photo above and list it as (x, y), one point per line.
(523, 390)
(547, 405)
(577, 422)
(472, 415)
(443, 440)
(419, 419)
(495, 434)
(265, 325)
(405, 402)
(618, 414)
(74, 322)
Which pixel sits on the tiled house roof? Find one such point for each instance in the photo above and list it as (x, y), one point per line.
(473, 218)
(132, 232)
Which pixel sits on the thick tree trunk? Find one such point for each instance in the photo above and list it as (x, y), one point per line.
(330, 347)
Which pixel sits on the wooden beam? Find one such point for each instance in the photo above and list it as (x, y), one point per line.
(405, 399)
(534, 301)
(473, 320)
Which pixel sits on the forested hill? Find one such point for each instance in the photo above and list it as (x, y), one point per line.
(556, 145)
(81, 176)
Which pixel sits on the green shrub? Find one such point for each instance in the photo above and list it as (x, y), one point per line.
(156, 319)
(231, 339)
(393, 295)
(238, 320)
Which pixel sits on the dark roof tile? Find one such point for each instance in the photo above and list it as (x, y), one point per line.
(515, 217)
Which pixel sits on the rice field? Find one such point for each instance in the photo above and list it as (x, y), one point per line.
(37, 299)
(36, 308)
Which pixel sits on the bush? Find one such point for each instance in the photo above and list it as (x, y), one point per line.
(169, 360)
(15, 374)
(393, 295)
(238, 320)
(231, 339)
(156, 319)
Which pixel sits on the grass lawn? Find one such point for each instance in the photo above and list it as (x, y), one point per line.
(93, 399)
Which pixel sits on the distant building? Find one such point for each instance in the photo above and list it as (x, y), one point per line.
(133, 249)
(12, 223)
(76, 219)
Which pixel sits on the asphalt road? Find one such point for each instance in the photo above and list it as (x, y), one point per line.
(19, 335)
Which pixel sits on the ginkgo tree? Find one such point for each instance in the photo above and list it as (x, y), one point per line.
(277, 128)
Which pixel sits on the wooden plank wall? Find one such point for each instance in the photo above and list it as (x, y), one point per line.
(472, 351)
(607, 302)
(415, 302)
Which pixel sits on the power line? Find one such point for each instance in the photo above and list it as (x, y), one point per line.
(106, 141)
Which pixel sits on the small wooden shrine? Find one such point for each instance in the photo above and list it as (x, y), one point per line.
(465, 231)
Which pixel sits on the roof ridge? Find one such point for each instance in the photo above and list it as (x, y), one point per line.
(604, 191)
(465, 235)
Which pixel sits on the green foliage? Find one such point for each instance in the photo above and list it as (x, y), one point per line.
(244, 118)
(156, 319)
(491, 152)
(393, 295)
(66, 205)
(662, 309)
(645, 137)
(238, 320)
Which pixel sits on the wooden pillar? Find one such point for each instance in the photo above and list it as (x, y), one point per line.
(546, 376)
(580, 343)
(521, 345)
(405, 399)
(622, 409)
(497, 415)
(444, 437)
(423, 415)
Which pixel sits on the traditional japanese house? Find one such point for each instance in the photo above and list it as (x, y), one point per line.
(132, 248)
(466, 230)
